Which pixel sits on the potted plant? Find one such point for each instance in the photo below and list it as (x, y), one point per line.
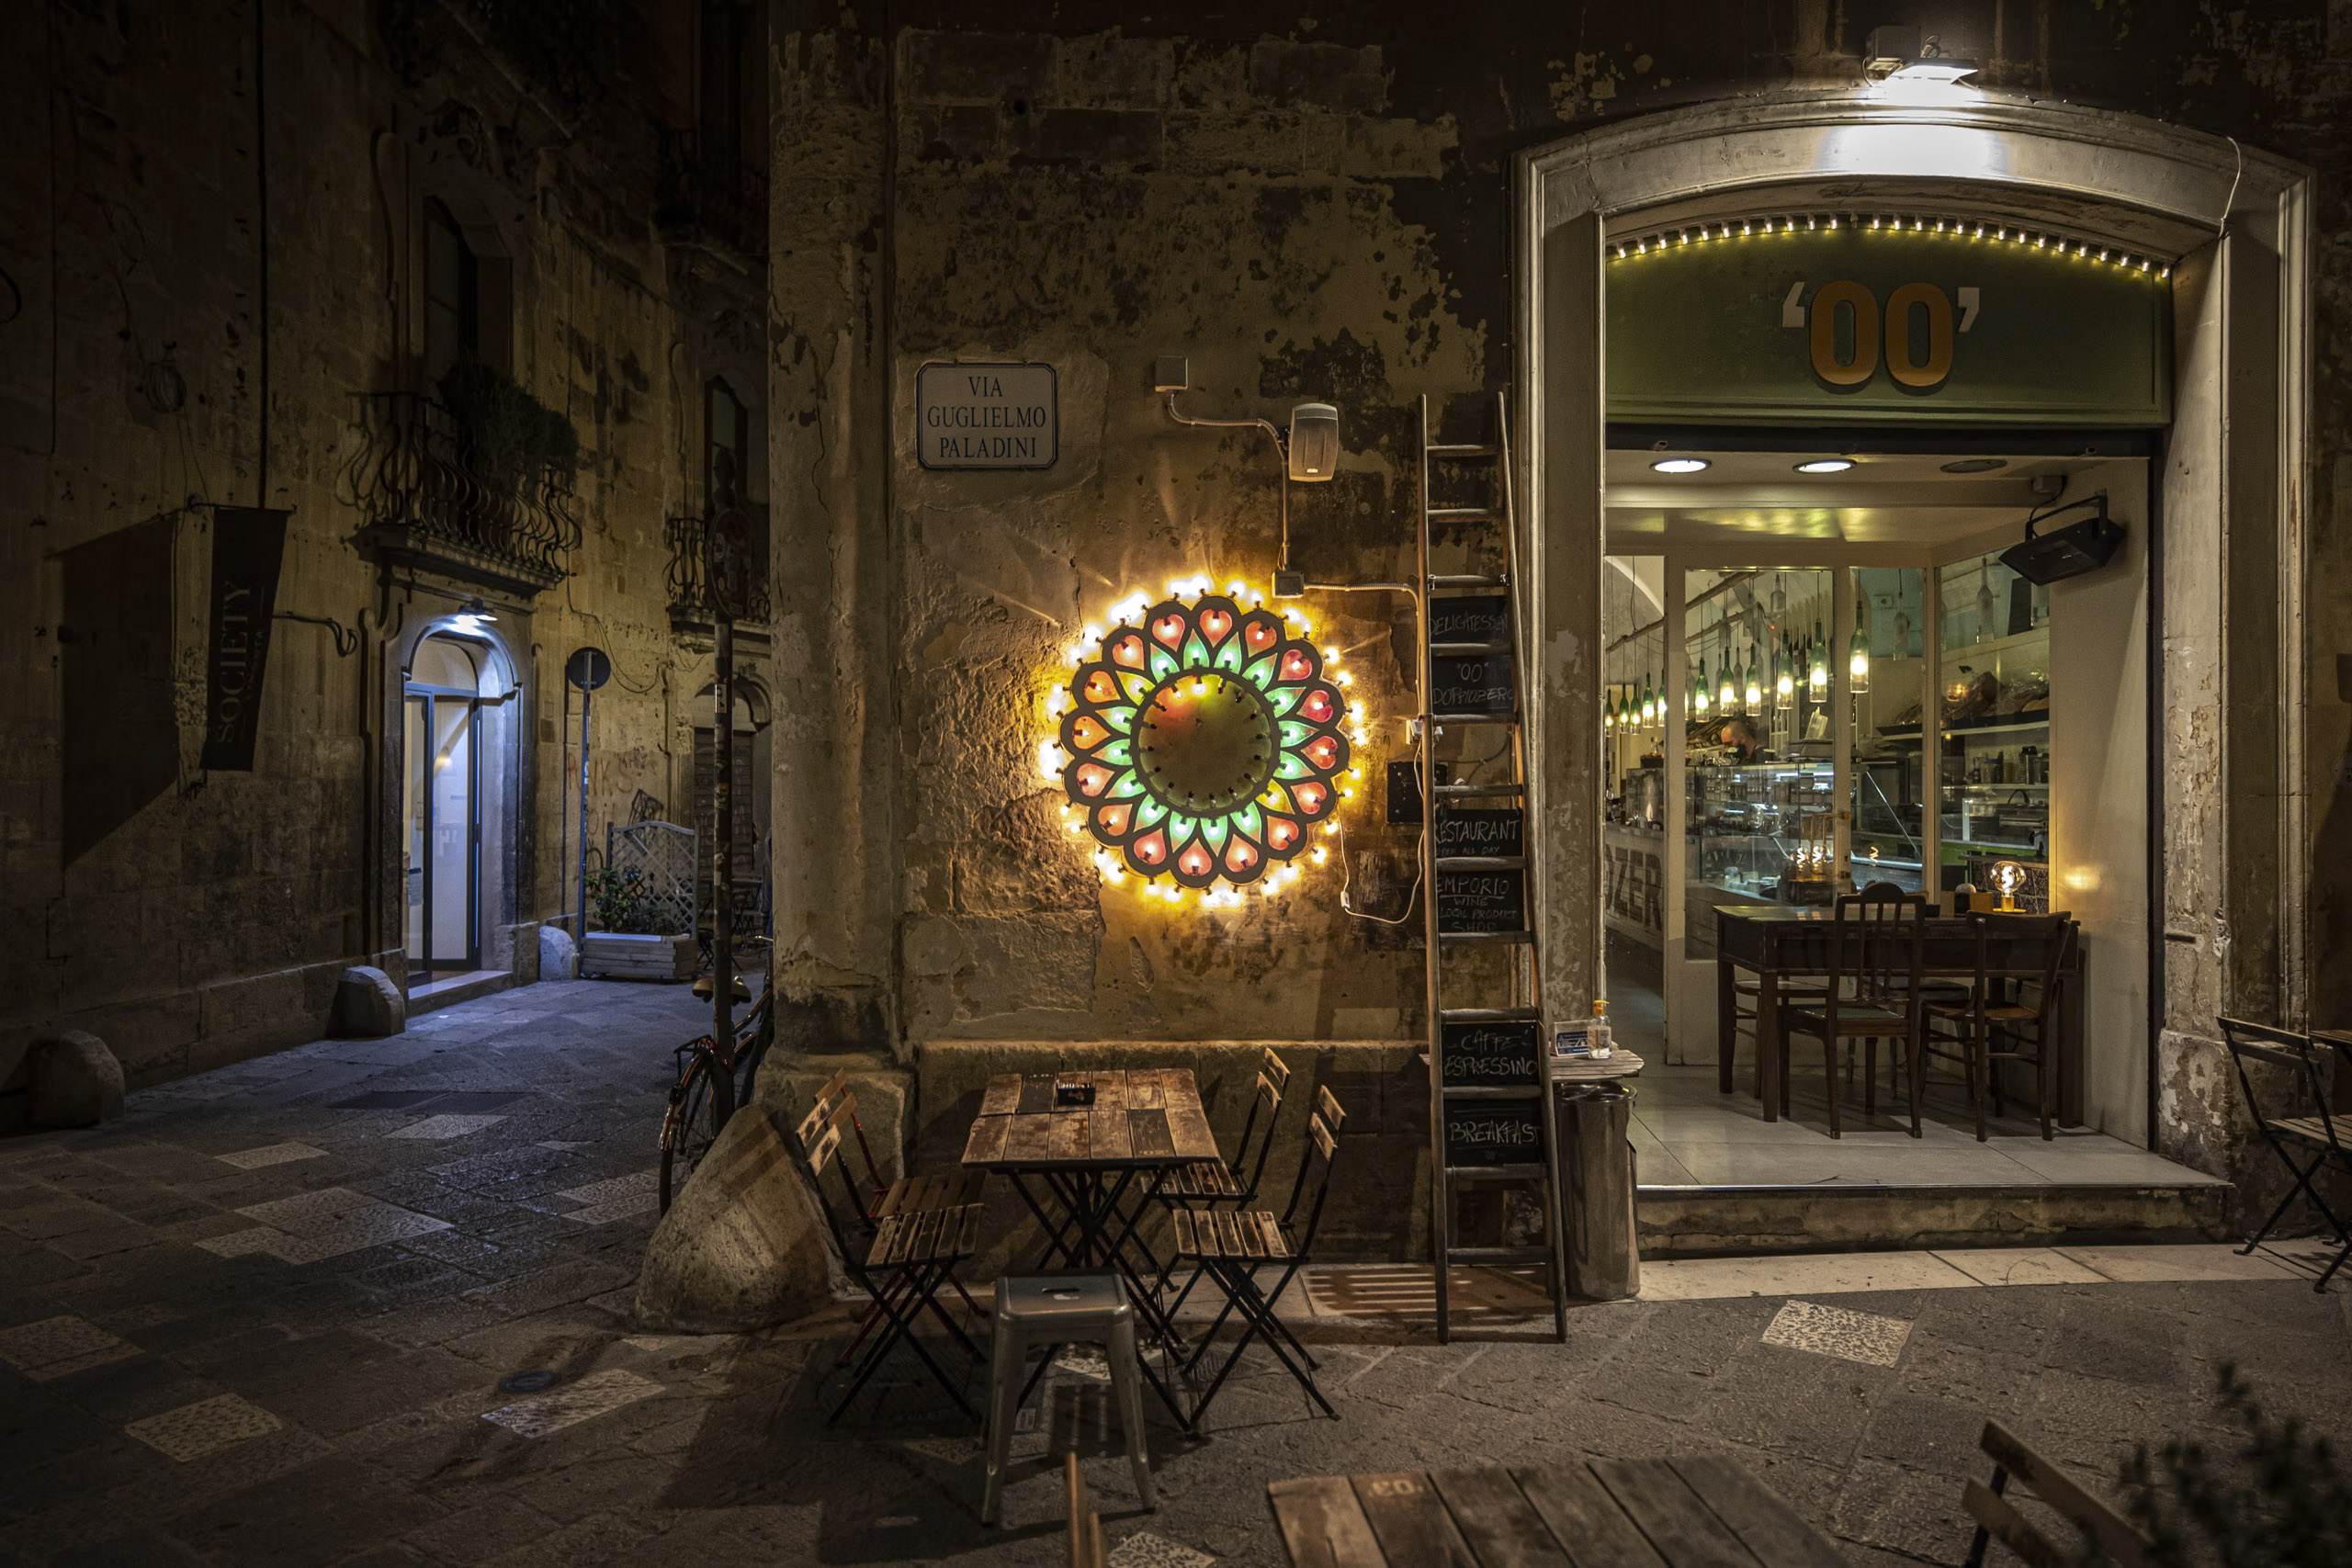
(639, 939)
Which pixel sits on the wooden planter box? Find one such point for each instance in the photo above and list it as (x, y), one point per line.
(621, 955)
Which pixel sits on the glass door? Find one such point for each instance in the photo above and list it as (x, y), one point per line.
(441, 812)
(1885, 671)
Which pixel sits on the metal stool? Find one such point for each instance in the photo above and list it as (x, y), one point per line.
(1053, 1310)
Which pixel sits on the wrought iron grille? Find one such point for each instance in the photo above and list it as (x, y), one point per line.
(418, 497)
(690, 601)
(662, 858)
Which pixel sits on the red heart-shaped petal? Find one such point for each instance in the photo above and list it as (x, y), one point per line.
(1238, 856)
(1093, 779)
(1295, 664)
(1114, 819)
(1151, 849)
(1169, 629)
(1317, 708)
(1214, 625)
(1312, 797)
(1128, 651)
(1100, 688)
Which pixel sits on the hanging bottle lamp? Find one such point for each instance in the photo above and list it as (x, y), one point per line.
(1784, 680)
(1755, 699)
(1699, 689)
(1858, 657)
(1817, 665)
(1649, 700)
(1608, 709)
(1727, 688)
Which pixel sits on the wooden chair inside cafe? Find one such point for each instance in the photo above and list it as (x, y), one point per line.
(2006, 1016)
(1872, 993)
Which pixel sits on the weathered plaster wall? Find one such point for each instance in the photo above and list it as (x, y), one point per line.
(191, 919)
(1312, 205)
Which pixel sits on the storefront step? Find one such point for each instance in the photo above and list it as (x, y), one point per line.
(1693, 1222)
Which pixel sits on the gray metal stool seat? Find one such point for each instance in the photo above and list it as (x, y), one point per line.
(1053, 1310)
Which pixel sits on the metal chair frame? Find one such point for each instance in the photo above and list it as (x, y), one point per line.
(1237, 1277)
(901, 1280)
(2297, 1053)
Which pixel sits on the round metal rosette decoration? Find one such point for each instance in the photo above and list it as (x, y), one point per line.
(1204, 742)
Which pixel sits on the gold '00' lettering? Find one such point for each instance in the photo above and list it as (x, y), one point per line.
(1822, 333)
(1921, 374)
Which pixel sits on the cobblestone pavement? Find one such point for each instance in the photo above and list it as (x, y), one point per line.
(264, 1319)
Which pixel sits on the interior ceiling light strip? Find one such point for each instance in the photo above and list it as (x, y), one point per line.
(1971, 229)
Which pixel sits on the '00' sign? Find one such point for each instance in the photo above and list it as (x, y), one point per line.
(1918, 322)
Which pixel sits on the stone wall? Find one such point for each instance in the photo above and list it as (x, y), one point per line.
(1313, 208)
(191, 919)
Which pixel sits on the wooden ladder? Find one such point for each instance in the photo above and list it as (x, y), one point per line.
(1488, 1064)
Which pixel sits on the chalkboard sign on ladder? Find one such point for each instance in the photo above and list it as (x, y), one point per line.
(1506, 1055)
(1481, 901)
(1485, 1134)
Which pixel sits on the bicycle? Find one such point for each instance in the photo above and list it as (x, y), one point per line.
(706, 1094)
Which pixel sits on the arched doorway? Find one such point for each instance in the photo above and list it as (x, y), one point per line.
(2226, 761)
(456, 772)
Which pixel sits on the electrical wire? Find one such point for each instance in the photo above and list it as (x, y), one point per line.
(2222, 225)
(1347, 869)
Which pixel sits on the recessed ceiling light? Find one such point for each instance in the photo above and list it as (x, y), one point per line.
(1976, 465)
(1680, 465)
(1825, 465)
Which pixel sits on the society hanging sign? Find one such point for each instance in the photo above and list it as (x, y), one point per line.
(971, 415)
(248, 546)
(1887, 326)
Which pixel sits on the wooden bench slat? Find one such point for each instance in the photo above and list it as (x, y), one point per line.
(1411, 1521)
(1578, 1511)
(1323, 1525)
(1764, 1522)
(2010, 1528)
(1501, 1525)
(1676, 1521)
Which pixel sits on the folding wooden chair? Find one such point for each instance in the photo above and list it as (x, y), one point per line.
(907, 1198)
(1204, 1184)
(900, 1268)
(1873, 992)
(2107, 1536)
(1230, 1245)
(2320, 1133)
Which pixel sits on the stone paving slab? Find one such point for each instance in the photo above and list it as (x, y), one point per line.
(210, 1356)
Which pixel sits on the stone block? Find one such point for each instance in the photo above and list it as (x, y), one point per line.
(1317, 75)
(883, 1094)
(1122, 138)
(76, 1082)
(1106, 71)
(946, 68)
(367, 1004)
(1256, 143)
(741, 1248)
(1395, 149)
(558, 955)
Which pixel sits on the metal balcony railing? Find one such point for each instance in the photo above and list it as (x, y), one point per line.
(708, 196)
(423, 501)
(690, 603)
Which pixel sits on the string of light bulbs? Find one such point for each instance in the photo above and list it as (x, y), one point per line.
(2073, 247)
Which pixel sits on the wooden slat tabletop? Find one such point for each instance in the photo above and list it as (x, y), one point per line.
(1704, 1511)
(1149, 1116)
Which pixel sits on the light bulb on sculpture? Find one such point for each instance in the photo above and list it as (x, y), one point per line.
(2008, 876)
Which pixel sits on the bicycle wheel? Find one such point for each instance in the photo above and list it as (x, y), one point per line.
(700, 1102)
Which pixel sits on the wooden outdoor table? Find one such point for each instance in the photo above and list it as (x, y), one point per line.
(1700, 1512)
(1779, 943)
(1144, 1122)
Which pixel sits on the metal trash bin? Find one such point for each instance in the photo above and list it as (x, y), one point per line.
(1593, 1124)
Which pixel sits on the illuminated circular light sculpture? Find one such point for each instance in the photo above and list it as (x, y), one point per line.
(1199, 741)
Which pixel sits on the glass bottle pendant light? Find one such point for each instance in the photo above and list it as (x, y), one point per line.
(1784, 680)
(1649, 699)
(1817, 664)
(1699, 689)
(1607, 710)
(1858, 657)
(1727, 686)
(1755, 698)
